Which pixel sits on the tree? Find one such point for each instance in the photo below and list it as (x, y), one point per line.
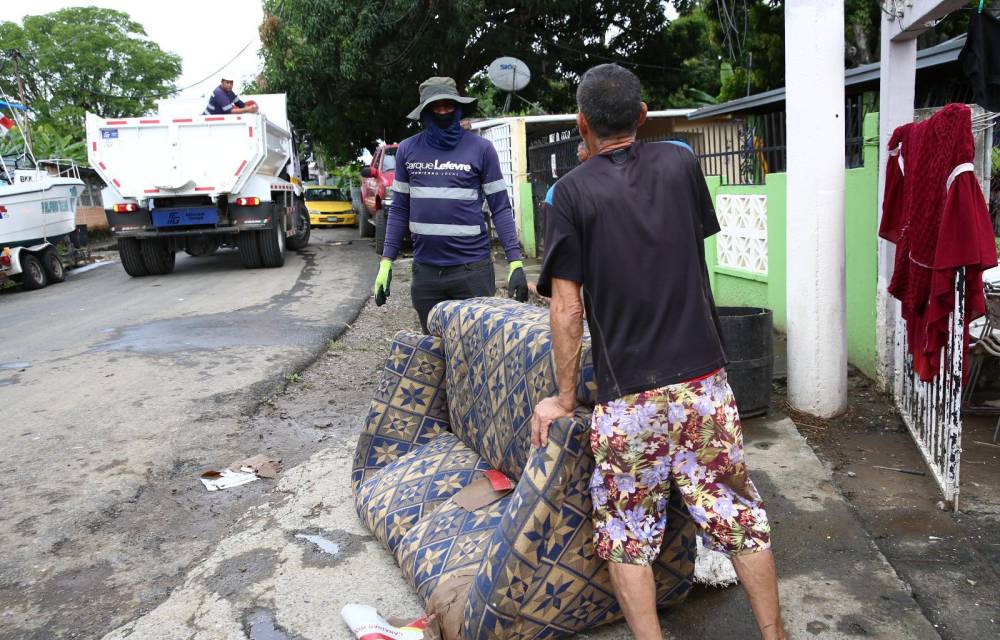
(351, 67)
(83, 59)
(751, 35)
(47, 143)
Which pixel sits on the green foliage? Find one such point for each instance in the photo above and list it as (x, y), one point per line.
(83, 59)
(346, 175)
(46, 142)
(351, 67)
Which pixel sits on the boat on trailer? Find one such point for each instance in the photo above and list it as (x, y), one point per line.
(38, 204)
(37, 211)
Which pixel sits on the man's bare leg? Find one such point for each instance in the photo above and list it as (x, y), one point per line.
(760, 581)
(636, 592)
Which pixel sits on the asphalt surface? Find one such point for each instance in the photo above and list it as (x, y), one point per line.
(117, 392)
(291, 564)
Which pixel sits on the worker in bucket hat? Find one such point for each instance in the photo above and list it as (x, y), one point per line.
(443, 175)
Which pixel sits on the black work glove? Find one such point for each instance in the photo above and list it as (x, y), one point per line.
(382, 282)
(517, 282)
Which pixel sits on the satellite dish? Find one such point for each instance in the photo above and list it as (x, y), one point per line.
(509, 74)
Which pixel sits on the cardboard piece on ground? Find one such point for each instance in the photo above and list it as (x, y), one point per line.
(477, 494)
(225, 479)
(260, 464)
(447, 603)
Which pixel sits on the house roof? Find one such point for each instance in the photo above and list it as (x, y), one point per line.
(939, 54)
(562, 118)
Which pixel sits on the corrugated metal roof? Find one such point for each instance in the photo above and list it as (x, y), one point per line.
(569, 117)
(939, 54)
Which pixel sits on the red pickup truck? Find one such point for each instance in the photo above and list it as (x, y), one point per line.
(376, 194)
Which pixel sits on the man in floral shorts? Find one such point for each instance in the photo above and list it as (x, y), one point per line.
(625, 242)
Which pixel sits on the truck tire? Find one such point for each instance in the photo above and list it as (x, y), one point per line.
(301, 238)
(249, 248)
(55, 271)
(381, 221)
(32, 273)
(272, 245)
(157, 256)
(131, 255)
(365, 227)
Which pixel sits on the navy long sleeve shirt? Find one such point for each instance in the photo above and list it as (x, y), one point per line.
(438, 194)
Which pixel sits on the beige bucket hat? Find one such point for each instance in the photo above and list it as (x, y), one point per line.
(437, 88)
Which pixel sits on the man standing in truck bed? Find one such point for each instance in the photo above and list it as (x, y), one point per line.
(443, 174)
(223, 101)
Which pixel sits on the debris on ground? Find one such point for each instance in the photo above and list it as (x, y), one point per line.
(365, 622)
(226, 479)
(261, 465)
(242, 472)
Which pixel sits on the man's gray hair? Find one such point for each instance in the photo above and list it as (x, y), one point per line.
(609, 98)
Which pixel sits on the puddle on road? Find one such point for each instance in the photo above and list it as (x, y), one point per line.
(263, 627)
(14, 365)
(329, 546)
(8, 382)
(211, 332)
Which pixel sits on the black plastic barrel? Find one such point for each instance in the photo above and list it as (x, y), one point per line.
(748, 334)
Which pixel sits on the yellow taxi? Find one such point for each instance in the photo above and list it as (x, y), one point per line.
(328, 206)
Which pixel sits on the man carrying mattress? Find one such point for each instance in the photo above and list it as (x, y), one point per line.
(625, 242)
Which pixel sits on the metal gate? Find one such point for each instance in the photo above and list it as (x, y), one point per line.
(549, 160)
(932, 410)
(501, 136)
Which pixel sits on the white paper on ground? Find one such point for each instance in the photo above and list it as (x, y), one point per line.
(713, 568)
(365, 622)
(227, 479)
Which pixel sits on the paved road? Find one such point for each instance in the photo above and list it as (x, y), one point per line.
(115, 392)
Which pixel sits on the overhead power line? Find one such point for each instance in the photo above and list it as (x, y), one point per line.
(51, 78)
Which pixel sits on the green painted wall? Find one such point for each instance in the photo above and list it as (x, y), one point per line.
(777, 243)
(732, 287)
(527, 219)
(861, 235)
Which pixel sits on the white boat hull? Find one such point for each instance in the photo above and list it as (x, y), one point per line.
(35, 211)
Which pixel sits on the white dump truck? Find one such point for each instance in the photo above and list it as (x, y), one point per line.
(183, 181)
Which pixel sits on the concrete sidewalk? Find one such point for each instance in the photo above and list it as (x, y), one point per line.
(834, 582)
(267, 581)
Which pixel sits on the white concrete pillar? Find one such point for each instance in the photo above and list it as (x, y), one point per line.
(897, 69)
(814, 77)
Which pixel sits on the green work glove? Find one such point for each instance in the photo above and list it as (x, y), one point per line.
(517, 282)
(382, 282)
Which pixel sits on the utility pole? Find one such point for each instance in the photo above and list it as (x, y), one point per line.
(16, 55)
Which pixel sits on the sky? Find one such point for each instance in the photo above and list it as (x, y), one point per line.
(206, 34)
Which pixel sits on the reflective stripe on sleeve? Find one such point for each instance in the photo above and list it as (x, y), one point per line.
(228, 107)
(444, 193)
(453, 230)
(399, 186)
(495, 187)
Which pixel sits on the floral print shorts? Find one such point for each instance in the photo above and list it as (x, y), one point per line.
(688, 432)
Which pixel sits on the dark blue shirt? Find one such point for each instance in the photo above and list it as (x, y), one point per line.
(222, 102)
(438, 194)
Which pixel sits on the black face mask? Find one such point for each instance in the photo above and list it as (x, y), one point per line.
(442, 120)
